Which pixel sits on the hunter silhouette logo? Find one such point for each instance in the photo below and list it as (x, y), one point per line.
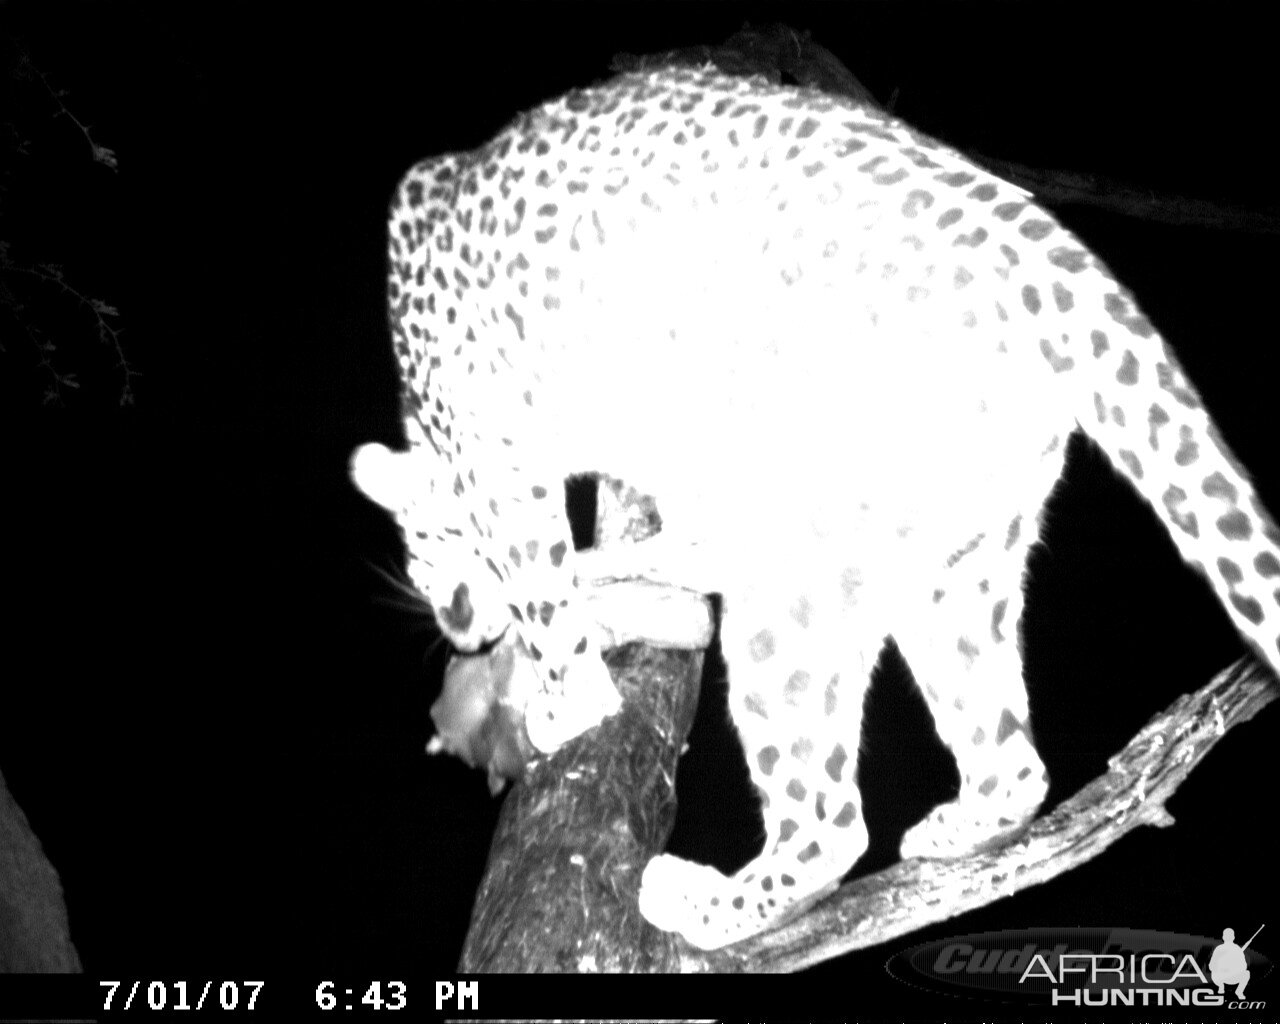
(1227, 965)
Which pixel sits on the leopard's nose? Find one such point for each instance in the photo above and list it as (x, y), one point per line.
(459, 615)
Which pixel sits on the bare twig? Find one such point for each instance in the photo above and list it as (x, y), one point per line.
(1057, 188)
(26, 68)
(774, 51)
(15, 299)
(99, 310)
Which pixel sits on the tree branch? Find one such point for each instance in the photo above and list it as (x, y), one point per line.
(912, 894)
(1058, 188)
(574, 836)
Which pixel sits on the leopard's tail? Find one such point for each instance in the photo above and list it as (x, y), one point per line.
(1133, 399)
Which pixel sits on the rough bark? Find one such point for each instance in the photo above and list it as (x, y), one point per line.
(559, 891)
(34, 936)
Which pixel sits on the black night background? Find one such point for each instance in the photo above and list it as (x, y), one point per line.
(211, 722)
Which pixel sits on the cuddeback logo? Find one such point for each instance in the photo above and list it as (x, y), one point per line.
(1089, 967)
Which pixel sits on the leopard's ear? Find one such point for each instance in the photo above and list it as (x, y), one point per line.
(381, 475)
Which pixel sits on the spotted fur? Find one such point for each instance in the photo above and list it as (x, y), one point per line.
(845, 361)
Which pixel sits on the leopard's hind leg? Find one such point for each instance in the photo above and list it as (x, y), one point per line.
(961, 640)
(798, 670)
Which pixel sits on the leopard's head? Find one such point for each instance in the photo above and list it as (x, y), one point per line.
(450, 561)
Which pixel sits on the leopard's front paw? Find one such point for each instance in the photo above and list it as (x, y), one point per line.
(677, 895)
(580, 699)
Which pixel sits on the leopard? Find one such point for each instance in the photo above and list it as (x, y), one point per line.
(846, 362)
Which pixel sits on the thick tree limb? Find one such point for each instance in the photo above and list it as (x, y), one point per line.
(34, 936)
(559, 892)
(560, 889)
